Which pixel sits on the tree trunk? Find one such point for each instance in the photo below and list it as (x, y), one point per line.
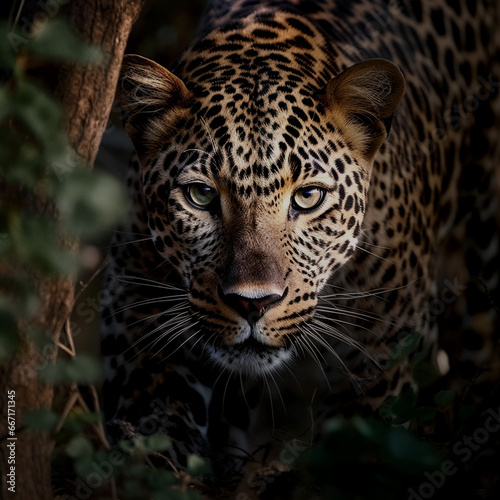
(87, 95)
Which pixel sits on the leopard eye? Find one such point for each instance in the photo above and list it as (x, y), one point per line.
(200, 195)
(308, 198)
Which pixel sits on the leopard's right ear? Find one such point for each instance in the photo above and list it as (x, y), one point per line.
(363, 99)
(152, 99)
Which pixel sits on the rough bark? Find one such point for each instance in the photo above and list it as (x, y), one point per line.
(87, 95)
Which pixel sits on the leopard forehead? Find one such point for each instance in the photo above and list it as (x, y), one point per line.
(266, 52)
(256, 86)
(257, 120)
(256, 93)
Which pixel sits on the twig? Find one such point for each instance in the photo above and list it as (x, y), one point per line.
(84, 286)
(69, 335)
(73, 398)
(98, 427)
(70, 349)
(168, 461)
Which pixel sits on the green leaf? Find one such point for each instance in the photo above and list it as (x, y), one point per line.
(160, 479)
(89, 201)
(399, 409)
(84, 467)
(405, 347)
(126, 446)
(79, 447)
(37, 112)
(131, 489)
(409, 454)
(388, 458)
(87, 418)
(425, 373)
(83, 370)
(80, 369)
(41, 420)
(36, 242)
(54, 372)
(78, 421)
(57, 41)
(197, 467)
(9, 40)
(20, 160)
(139, 471)
(66, 164)
(157, 443)
(138, 445)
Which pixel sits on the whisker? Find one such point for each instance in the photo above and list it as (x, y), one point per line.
(145, 302)
(196, 150)
(344, 322)
(354, 312)
(364, 242)
(173, 335)
(200, 338)
(214, 145)
(309, 348)
(286, 367)
(185, 342)
(182, 317)
(208, 340)
(224, 370)
(125, 232)
(176, 331)
(359, 247)
(331, 331)
(273, 420)
(243, 391)
(225, 389)
(153, 317)
(130, 242)
(363, 294)
(279, 392)
(334, 333)
(331, 349)
(140, 280)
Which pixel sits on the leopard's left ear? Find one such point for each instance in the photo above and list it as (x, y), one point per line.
(152, 98)
(363, 99)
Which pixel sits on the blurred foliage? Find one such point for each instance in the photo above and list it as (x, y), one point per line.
(40, 175)
(91, 470)
(48, 198)
(385, 459)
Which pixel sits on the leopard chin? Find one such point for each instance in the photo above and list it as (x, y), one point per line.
(250, 357)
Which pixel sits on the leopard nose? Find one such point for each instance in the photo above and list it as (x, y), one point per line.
(253, 307)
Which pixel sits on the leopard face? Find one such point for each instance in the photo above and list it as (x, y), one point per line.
(256, 183)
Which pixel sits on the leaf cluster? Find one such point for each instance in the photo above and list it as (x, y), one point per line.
(48, 197)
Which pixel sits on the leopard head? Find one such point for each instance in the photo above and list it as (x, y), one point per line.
(256, 169)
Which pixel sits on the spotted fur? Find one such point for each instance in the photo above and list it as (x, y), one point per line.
(295, 196)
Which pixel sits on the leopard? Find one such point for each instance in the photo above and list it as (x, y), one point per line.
(314, 193)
